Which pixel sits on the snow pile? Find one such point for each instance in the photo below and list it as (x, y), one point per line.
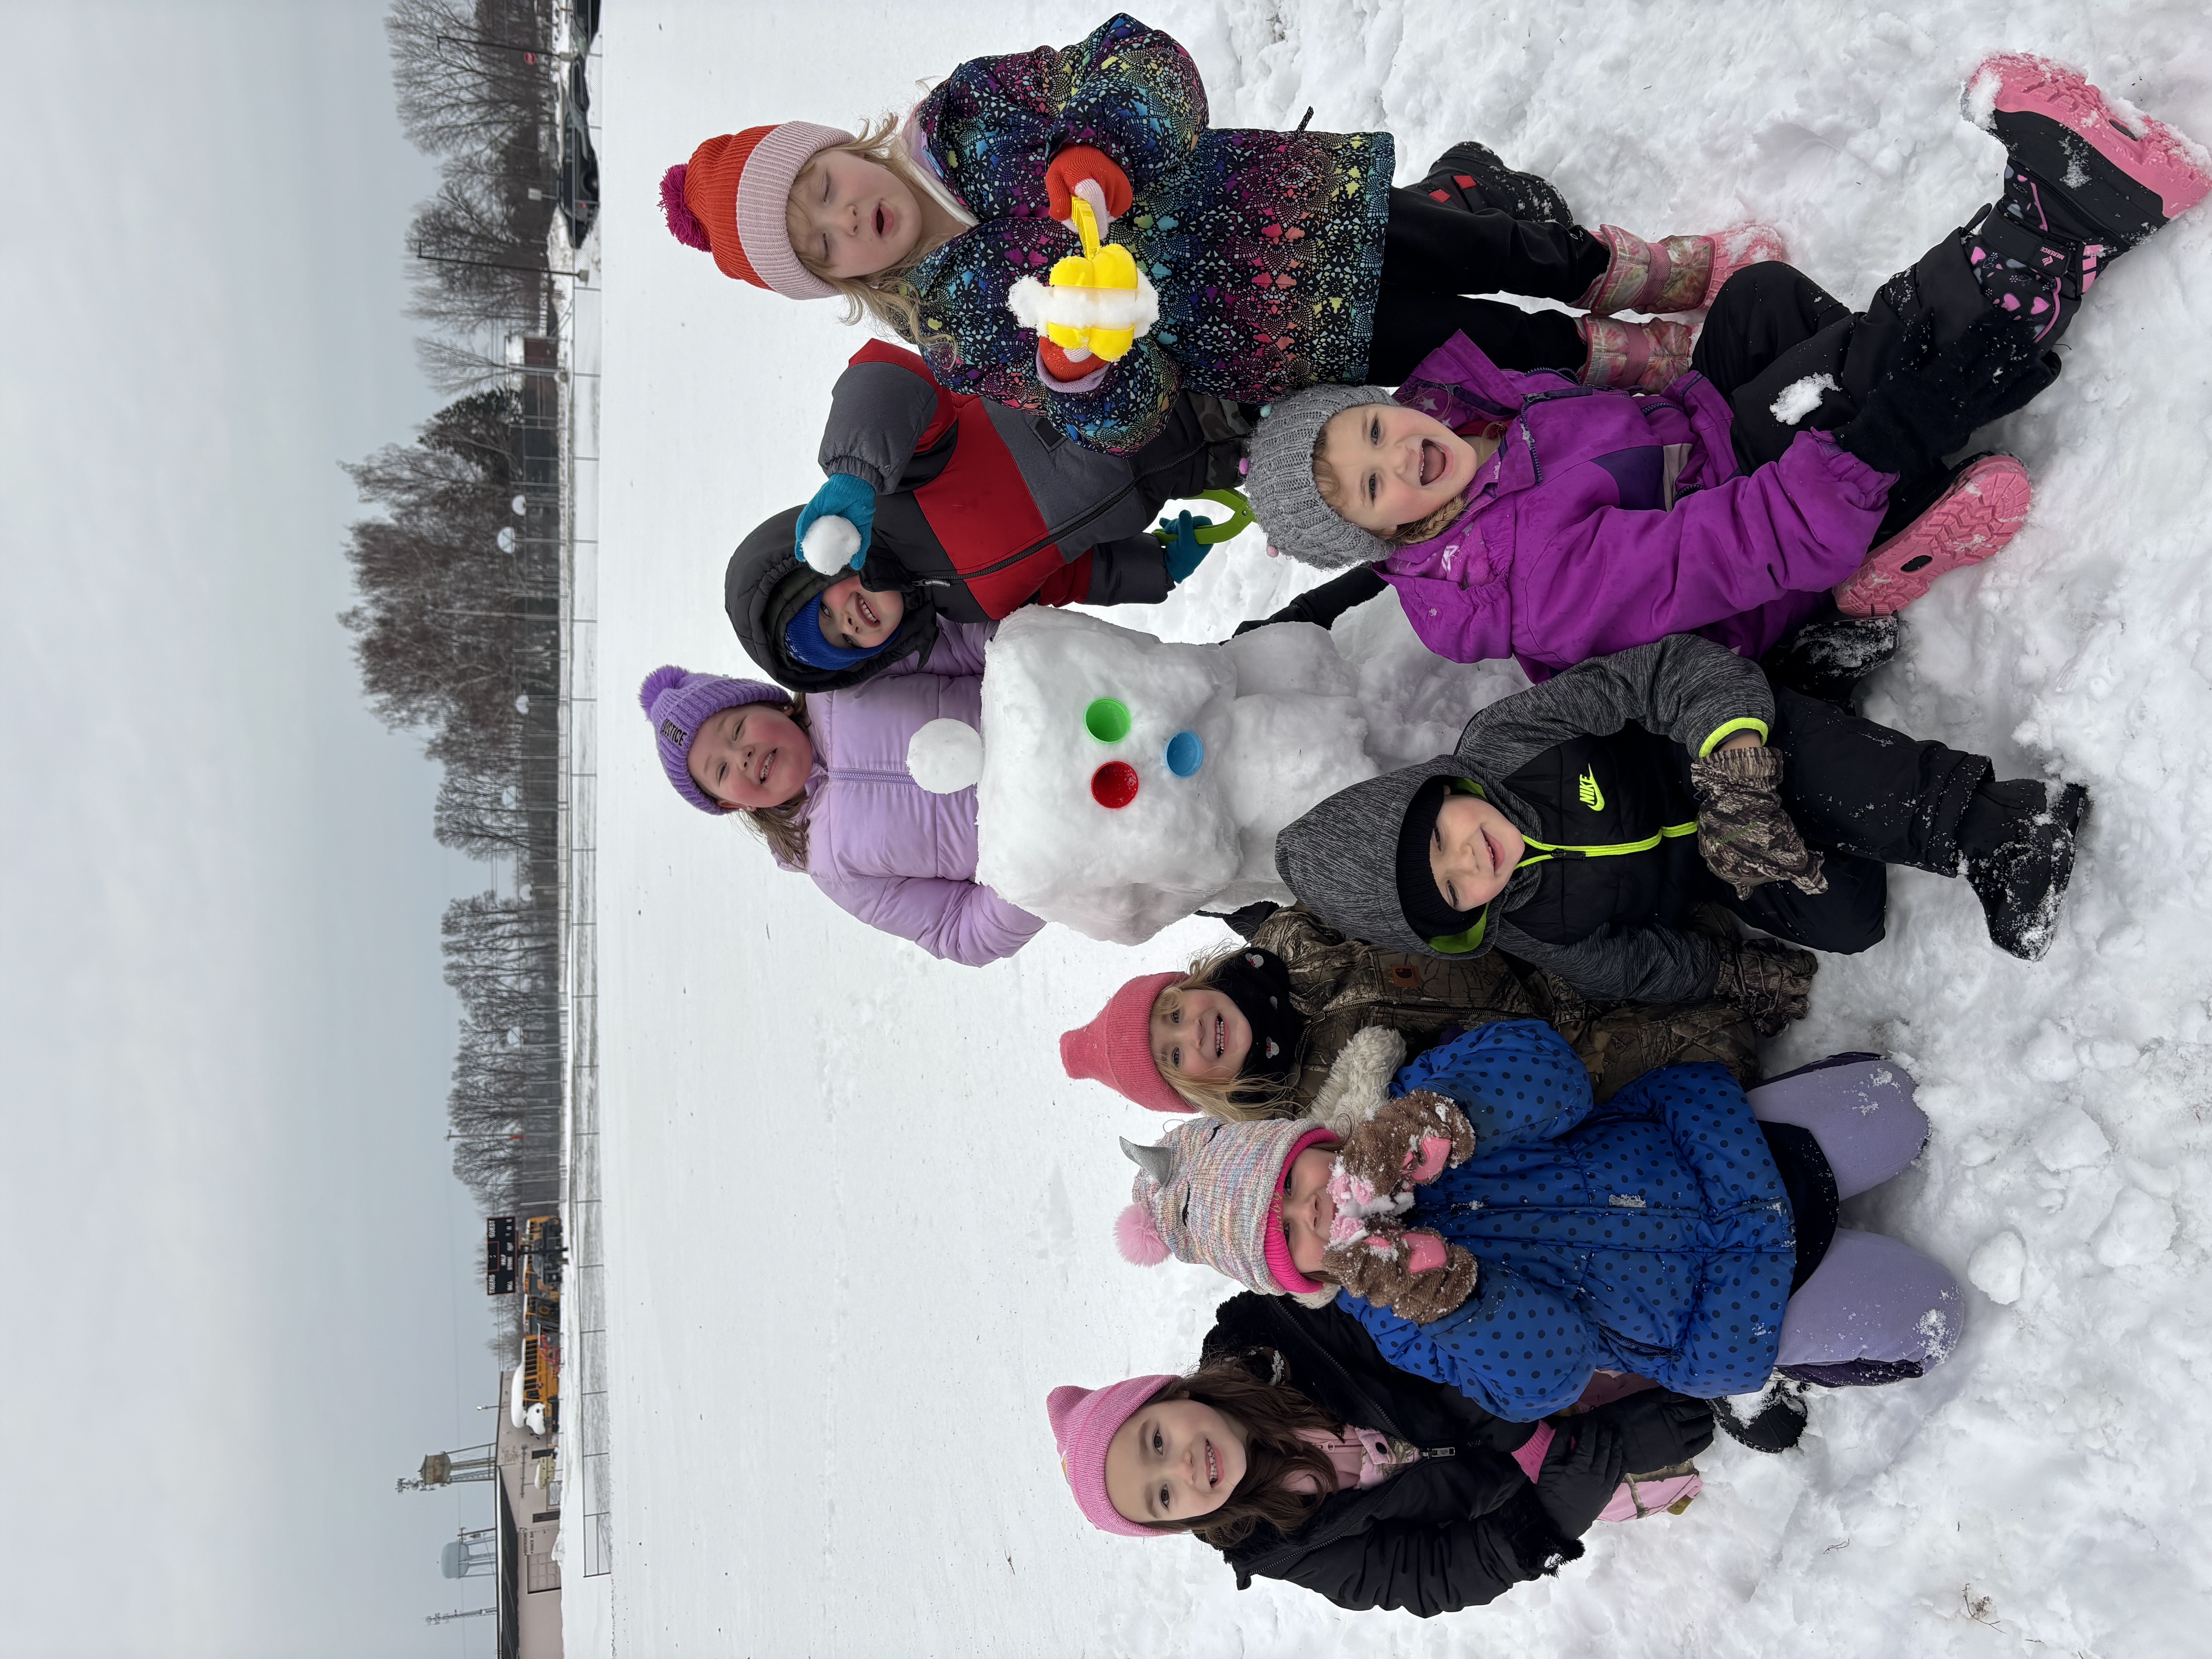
(1127, 781)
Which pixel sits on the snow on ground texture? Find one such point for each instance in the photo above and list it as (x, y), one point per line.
(837, 1444)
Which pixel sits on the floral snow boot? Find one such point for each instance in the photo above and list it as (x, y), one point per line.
(1976, 514)
(1634, 356)
(2081, 187)
(1676, 273)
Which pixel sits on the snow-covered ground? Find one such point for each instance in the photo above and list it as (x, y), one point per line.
(858, 1221)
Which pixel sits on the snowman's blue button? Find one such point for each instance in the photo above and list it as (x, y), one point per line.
(1186, 754)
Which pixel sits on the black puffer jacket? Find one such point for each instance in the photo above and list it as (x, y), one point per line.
(1456, 1529)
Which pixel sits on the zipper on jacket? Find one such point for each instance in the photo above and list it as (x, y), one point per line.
(1615, 849)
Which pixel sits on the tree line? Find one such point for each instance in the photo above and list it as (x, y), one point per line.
(458, 566)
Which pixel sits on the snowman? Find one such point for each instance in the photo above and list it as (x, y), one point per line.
(1123, 782)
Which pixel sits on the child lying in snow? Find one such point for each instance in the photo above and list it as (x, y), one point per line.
(1581, 825)
(1253, 1032)
(823, 778)
(1496, 1229)
(1518, 515)
(1277, 260)
(1301, 1454)
(952, 508)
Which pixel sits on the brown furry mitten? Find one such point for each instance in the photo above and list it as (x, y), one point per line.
(1413, 1138)
(1414, 1274)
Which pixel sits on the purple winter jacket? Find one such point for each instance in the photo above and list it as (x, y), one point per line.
(882, 847)
(1609, 519)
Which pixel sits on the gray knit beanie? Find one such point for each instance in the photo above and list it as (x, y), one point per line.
(1280, 483)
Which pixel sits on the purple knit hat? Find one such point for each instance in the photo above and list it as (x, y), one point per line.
(679, 702)
(1083, 1423)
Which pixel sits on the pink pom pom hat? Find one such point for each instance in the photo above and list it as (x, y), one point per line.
(1211, 1194)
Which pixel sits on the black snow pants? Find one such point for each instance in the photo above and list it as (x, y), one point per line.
(1478, 229)
(1867, 798)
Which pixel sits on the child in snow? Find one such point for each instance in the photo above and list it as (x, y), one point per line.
(823, 778)
(1586, 825)
(1496, 1229)
(961, 510)
(1255, 1031)
(1518, 514)
(1278, 259)
(1301, 1454)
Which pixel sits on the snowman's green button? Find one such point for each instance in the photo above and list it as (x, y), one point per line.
(1107, 720)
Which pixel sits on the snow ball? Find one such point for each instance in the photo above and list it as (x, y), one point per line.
(2139, 1230)
(829, 543)
(946, 756)
(2070, 1140)
(1801, 398)
(1998, 1267)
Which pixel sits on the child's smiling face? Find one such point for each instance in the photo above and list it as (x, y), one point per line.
(1176, 1459)
(1204, 1037)
(1473, 852)
(856, 619)
(752, 755)
(850, 217)
(1388, 465)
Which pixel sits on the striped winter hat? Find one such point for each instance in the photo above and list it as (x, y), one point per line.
(1211, 1194)
(727, 200)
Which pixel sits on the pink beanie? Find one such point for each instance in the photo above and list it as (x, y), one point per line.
(1116, 1047)
(1084, 1424)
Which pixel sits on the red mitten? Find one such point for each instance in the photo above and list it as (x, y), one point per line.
(1059, 365)
(1071, 168)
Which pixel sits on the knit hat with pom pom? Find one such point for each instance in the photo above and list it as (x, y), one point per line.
(679, 702)
(728, 201)
(1084, 1424)
(1211, 1194)
(1116, 1047)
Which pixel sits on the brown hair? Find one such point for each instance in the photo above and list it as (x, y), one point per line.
(783, 828)
(1330, 489)
(883, 296)
(1270, 1415)
(1236, 1099)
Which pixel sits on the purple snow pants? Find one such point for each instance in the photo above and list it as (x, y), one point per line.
(1875, 1310)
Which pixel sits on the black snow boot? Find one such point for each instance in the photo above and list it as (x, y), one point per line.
(2019, 845)
(1471, 176)
(1773, 1424)
(1828, 658)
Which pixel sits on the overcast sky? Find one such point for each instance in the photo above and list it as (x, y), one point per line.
(239, 1294)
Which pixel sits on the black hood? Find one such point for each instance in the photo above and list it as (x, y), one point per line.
(766, 584)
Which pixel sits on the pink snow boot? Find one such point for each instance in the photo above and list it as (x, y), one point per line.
(1986, 502)
(1634, 356)
(1676, 273)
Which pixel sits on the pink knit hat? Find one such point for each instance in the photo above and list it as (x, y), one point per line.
(1116, 1047)
(1211, 1194)
(1084, 1424)
(727, 200)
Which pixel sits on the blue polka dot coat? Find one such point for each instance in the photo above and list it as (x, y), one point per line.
(1649, 1235)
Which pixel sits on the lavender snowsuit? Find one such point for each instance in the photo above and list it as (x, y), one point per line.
(1608, 519)
(882, 847)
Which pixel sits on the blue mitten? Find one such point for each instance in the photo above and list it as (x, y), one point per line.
(834, 527)
(1185, 551)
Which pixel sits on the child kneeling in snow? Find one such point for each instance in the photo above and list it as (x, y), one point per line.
(1253, 1032)
(1301, 1454)
(1518, 515)
(823, 779)
(1497, 1230)
(1272, 260)
(1587, 825)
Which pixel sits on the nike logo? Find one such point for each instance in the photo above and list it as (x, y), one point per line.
(1592, 796)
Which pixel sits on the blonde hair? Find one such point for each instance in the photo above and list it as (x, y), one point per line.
(1236, 1099)
(1330, 489)
(883, 297)
(784, 827)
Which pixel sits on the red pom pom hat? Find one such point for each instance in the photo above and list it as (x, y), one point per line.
(728, 201)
